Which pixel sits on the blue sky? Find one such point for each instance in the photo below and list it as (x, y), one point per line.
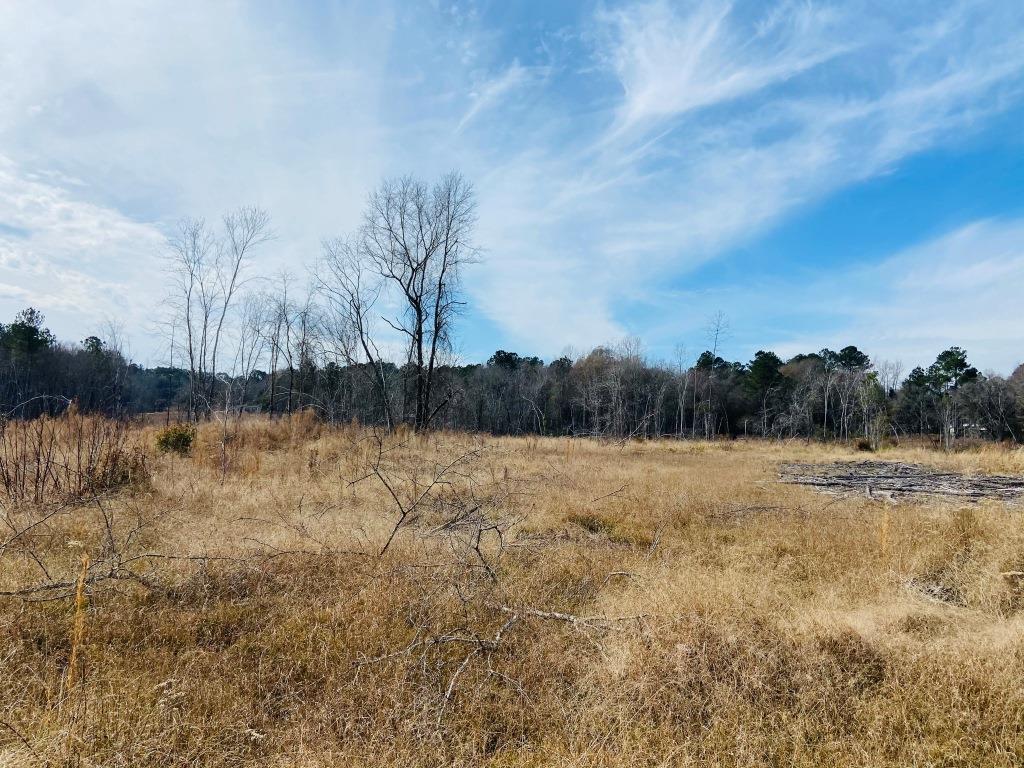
(823, 173)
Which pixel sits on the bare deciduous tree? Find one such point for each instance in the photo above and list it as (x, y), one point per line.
(207, 269)
(412, 247)
(351, 292)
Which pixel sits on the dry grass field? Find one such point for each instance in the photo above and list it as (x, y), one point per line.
(304, 596)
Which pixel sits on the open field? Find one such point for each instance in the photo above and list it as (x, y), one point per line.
(298, 595)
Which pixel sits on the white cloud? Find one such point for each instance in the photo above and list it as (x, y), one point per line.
(959, 288)
(113, 115)
(76, 260)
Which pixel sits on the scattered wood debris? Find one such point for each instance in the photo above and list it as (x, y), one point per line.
(892, 481)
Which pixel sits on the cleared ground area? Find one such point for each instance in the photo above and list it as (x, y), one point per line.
(897, 480)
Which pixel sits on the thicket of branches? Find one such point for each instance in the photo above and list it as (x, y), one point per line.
(369, 337)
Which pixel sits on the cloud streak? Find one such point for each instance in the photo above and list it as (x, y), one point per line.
(671, 64)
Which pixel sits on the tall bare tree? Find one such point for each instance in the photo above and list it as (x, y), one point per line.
(207, 269)
(411, 250)
(351, 291)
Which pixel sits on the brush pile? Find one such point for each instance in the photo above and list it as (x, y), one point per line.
(894, 480)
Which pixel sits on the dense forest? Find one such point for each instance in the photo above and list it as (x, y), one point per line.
(613, 392)
(370, 338)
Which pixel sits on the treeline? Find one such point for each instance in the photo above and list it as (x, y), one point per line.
(613, 392)
(40, 375)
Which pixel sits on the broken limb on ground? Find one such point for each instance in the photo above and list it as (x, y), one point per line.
(895, 480)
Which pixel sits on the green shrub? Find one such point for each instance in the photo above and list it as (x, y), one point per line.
(177, 438)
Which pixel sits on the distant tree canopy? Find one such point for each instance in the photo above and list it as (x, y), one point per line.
(764, 372)
(951, 370)
(510, 361)
(26, 336)
(39, 375)
(607, 391)
(847, 359)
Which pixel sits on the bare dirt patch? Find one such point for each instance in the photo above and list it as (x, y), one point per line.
(896, 480)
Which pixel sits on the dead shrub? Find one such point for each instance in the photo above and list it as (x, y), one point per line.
(232, 443)
(863, 444)
(921, 625)
(68, 457)
(858, 664)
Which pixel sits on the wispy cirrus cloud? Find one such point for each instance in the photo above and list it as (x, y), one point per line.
(959, 287)
(729, 120)
(671, 63)
(490, 93)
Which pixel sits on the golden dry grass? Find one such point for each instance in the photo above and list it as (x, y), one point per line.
(722, 618)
